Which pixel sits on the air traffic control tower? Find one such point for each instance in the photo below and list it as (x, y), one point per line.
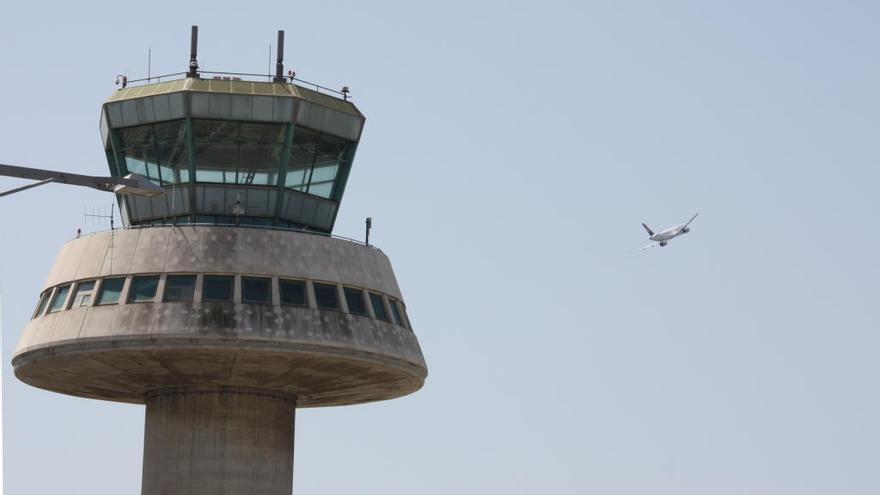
(225, 303)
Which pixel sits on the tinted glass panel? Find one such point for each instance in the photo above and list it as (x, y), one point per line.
(326, 296)
(238, 152)
(218, 288)
(58, 300)
(83, 294)
(378, 306)
(256, 290)
(180, 287)
(44, 300)
(315, 160)
(143, 288)
(395, 312)
(157, 151)
(355, 299)
(292, 292)
(111, 290)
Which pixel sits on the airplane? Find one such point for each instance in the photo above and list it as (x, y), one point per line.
(664, 236)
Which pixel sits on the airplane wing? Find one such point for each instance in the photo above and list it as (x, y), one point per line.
(691, 220)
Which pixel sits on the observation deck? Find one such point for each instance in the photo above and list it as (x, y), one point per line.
(232, 151)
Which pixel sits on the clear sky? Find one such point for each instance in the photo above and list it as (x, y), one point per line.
(510, 152)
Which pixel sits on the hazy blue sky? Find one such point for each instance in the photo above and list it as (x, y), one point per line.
(510, 152)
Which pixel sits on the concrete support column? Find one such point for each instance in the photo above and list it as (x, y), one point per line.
(218, 441)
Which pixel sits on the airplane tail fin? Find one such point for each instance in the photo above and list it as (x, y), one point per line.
(650, 232)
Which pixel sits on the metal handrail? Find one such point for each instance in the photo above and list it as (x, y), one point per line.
(339, 94)
(264, 227)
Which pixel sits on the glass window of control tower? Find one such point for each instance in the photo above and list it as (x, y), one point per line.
(315, 162)
(157, 151)
(232, 152)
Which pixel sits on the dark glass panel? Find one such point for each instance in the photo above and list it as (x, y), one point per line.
(331, 151)
(157, 151)
(59, 299)
(378, 306)
(302, 157)
(44, 300)
(143, 289)
(218, 288)
(179, 288)
(355, 300)
(111, 290)
(315, 161)
(292, 292)
(237, 152)
(256, 290)
(326, 296)
(395, 312)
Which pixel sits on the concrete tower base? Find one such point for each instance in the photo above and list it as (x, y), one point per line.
(218, 440)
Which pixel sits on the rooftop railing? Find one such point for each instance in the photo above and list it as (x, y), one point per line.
(250, 226)
(342, 94)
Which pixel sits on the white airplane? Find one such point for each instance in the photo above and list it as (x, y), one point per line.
(664, 236)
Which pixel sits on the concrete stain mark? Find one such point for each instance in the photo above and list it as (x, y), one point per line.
(217, 318)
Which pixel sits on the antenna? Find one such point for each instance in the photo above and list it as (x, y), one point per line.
(97, 213)
(369, 226)
(149, 62)
(193, 51)
(94, 214)
(279, 63)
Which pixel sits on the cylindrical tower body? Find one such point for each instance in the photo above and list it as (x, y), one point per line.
(225, 303)
(218, 440)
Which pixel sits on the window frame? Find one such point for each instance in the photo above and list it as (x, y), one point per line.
(55, 294)
(381, 298)
(249, 278)
(130, 297)
(305, 292)
(396, 316)
(101, 288)
(327, 285)
(90, 294)
(195, 284)
(43, 302)
(345, 292)
(205, 280)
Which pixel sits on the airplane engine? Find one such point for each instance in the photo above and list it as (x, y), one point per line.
(685, 230)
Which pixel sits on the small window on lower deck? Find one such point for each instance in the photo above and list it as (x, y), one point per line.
(59, 299)
(395, 312)
(326, 296)
(378, 306)
(111, 290)
(218, 288)
(179, 288)
(143, 289)
(41, 305)
(83, 294)
(292, 292)
(355, 299)
(256, 290)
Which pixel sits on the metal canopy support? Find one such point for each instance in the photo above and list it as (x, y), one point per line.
(130, 184)
(22, 188)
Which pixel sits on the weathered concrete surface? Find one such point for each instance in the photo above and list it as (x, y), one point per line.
(218, 441)
(123, 352)
(206, 249)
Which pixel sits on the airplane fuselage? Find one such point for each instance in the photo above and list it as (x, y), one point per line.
(664, 236)
(669, 233)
